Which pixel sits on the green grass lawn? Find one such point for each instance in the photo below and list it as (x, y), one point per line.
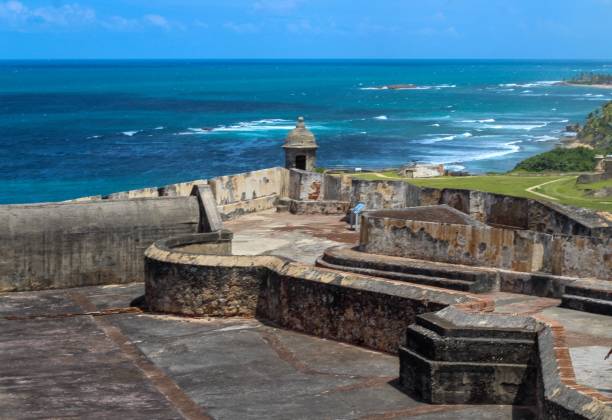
(566, 191)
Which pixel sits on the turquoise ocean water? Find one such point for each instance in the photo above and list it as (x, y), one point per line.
(77, 128)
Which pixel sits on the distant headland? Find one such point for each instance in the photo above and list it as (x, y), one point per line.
(597, 80)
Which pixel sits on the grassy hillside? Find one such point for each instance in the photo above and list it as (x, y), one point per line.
(579, 159)
(597, 131)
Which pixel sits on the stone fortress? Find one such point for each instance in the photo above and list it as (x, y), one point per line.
(260, 302)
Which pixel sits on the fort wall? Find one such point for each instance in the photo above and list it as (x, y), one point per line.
(481, 245)
(63, 245)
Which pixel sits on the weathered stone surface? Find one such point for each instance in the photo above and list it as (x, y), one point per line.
(379, 194)
(250, 185)
(319, 207)
(344, 307)
(46, 246)
(405, 235)
(305, 185)
(210, 218)
(466, 278)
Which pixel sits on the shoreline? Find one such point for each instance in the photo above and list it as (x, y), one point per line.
(586, 85)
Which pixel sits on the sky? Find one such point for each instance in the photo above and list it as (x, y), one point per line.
(83, 29)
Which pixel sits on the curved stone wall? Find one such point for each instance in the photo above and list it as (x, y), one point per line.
(355, 309)
(455, 352)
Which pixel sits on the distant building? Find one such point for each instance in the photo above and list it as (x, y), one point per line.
(599, 163)
(300, 148)
(421, 170)
(607, 165)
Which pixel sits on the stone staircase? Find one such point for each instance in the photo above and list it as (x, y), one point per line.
(448, 276)
(593, 296)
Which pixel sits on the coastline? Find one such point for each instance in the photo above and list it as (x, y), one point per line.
(586, 85)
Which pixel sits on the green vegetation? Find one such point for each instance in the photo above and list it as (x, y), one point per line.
(597, 131)
(578, 159)
(591, 79)
(559, 188)
(596, 134)
(566, 191)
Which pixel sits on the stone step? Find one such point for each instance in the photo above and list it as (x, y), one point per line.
(405, 265)
(589, 292)
(587, 304)
(445, 283)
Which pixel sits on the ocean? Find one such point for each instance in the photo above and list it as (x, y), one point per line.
(76, 128)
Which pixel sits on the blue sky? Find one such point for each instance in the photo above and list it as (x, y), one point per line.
(306, 29)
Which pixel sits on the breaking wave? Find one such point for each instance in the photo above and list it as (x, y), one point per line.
(415, 87)
(541, 83)
(271, 124)
(130, 133)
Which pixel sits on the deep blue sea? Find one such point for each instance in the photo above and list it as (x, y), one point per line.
(77, 128)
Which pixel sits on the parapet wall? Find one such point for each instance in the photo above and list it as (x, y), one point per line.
(340, 306)
(493, 209)
(49, 246)
(481, 245)
(235, 194)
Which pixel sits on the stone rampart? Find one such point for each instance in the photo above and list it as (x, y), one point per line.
(460, 354)
(340, 306)
(48, 246)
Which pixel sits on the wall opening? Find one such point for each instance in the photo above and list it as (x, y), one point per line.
(300, 162)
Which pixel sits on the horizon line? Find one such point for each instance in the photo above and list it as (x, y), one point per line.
(304, 59)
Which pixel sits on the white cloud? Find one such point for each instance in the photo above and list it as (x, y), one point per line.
(15, 15)
(157, 20)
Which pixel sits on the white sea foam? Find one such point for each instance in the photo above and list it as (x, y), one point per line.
(541, 83)
(541, 139)
(94, 137)
(381, 117)
(435, 125)
(161, 127)
(423, 87)
(518, 126)
(130, 133)
(444, 137)
(486, 120)
(251, 126)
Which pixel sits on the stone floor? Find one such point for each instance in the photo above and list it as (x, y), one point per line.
(589, 336)
(69, 354)
(301, 238)
(56, 362)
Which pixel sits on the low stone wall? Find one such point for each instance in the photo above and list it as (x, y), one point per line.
(250, 185)
(494, 209)
(48, 246)
(319, 207)
(355, 309)
(558, 396)
(515, 250)
(235, 194)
